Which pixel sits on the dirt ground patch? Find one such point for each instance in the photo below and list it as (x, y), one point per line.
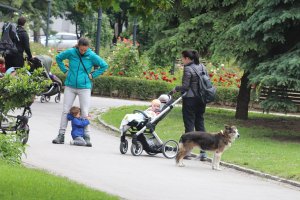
(278, 124)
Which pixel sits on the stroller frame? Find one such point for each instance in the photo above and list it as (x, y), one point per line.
(20, 127)
(140, 132)
(55, 88)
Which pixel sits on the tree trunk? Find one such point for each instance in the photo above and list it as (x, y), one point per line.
(36, 32)
(243, 98)
(36, 36)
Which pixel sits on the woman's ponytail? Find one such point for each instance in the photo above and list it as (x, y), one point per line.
(196, 57)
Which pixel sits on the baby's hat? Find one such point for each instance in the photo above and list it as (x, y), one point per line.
(164, 98)
(155, 102)
(10, 70)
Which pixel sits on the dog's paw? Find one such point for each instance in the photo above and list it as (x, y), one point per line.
(180, 164)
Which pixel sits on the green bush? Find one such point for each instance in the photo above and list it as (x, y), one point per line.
(226, 96)
(19, 91)
(125, 87)
(11, 149)
(39, 49)
(124, 60)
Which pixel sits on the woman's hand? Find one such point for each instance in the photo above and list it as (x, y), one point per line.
(173, 91)
(90, 76)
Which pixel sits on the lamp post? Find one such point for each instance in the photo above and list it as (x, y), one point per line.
(99, 24)
(48, 21)
(134, 30)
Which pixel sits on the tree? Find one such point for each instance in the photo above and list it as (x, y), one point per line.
(259, 35)
(118, 10)
(266, 46)
(273, 29)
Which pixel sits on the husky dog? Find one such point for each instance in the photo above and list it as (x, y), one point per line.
(218, 143)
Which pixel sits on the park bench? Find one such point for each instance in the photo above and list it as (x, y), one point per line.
(287, 94)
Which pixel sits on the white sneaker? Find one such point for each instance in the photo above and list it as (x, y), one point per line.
(72, 142)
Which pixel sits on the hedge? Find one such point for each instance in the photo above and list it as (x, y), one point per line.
(134, 88)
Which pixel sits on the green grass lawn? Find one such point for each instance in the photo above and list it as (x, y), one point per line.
(268, 143)
(18, 182)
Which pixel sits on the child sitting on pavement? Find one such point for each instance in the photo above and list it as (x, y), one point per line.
(78, 125)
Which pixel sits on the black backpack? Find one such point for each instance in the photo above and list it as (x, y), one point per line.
(9, 39)
(206, 91)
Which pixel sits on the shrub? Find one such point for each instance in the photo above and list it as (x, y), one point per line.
(125, 87)
(226, 96)
(11, 149)
(125, 61)
(224, 76)
(19, 91)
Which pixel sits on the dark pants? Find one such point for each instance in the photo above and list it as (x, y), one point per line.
(192, 112)
(14, 60)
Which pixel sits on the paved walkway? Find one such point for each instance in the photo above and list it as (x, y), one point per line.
(137, 178)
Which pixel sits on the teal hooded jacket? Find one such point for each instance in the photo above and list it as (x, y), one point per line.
(77, 77)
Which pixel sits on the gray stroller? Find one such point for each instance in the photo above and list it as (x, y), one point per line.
(56, 86)
(144, 136)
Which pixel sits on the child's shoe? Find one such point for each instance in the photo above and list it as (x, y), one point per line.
(88, 144)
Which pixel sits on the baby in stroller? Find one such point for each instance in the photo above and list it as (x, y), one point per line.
(138, 117)
(56, 85)
(140, 126)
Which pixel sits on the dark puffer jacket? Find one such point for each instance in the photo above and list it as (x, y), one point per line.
(190, 79)
(23, 44)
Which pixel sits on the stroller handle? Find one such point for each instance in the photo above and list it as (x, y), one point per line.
(142, 112)
(174, 91)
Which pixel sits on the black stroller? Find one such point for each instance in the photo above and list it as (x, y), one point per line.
(16, 124)
(56, 85)
(144, 136)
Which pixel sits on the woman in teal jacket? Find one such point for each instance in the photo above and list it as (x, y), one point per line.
(78, 82)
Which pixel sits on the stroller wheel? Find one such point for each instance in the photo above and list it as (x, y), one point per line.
(43, 99)
(57, 99)
(170, 149)
(124, 146)
(136, 149)
(150, 153)
(47, 98)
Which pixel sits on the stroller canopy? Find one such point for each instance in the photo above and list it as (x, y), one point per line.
(41, 61)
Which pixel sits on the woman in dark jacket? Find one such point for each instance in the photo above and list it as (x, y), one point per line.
(192, 107)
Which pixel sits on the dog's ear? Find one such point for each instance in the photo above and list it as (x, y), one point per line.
(227, 126)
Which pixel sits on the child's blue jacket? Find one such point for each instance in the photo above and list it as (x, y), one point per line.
(78, 125)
